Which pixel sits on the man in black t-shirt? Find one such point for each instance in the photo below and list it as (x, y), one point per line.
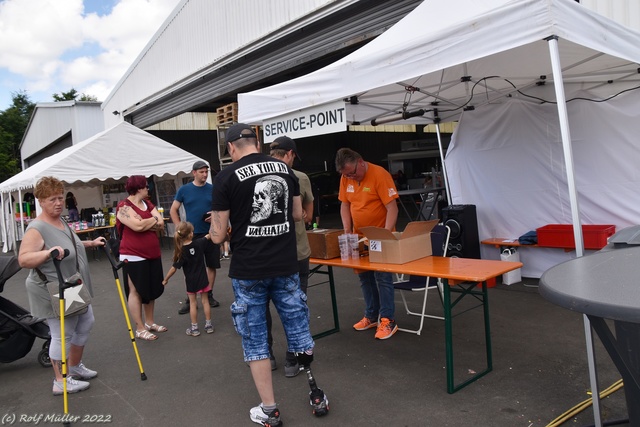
(260, 196)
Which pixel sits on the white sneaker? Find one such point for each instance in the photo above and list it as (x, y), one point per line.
(81, 372)
(258, 416)
(73, 386)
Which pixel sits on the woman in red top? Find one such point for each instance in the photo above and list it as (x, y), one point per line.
(137, 220)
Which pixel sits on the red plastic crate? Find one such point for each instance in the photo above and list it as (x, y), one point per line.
(561, 235)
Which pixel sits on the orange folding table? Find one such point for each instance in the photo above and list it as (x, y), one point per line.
(460, 277)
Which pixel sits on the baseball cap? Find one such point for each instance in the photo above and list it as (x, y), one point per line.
(199, 165)
(235, 132)
(285, 143)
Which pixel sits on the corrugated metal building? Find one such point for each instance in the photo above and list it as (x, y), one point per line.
(626, 12)
(208, 51)
(55, 126)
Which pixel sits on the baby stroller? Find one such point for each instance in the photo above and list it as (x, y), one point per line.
(18, 328)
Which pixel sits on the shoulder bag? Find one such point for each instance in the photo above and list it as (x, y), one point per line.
(77, 297)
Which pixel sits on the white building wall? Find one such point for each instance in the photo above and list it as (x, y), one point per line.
(205, 34)
(87, 121)
(53, 120)
(626, 12)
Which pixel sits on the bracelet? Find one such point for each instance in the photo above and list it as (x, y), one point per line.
(156, 218)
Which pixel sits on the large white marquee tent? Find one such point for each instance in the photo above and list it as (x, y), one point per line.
(504, 69)
(108, 156)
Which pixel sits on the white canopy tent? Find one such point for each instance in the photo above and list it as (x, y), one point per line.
(108, 156)
(477, 54)
(462, 53)
(450, 56)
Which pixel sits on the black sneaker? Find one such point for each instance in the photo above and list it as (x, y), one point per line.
(291, 369)
(213, 302)
(185, 307)
(272, 419)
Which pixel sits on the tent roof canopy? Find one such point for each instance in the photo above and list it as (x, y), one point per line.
(483, 51)
(120, 151)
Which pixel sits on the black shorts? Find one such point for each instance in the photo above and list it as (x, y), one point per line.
(211, 253)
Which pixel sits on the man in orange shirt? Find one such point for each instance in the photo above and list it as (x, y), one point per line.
(368, 198)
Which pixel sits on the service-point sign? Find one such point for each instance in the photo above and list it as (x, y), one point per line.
(319, 120)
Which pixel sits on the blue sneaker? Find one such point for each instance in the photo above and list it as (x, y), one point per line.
(193, 332)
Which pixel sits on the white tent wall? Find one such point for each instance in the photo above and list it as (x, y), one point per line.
(87, 197)
(507, 159)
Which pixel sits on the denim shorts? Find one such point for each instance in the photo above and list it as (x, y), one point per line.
(250, 308)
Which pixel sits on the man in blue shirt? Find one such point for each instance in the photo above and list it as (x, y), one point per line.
(196, 198)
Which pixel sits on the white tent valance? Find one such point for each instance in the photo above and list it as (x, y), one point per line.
(111, 155)
(120, 151)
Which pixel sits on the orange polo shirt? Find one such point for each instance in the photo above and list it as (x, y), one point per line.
(368, 197)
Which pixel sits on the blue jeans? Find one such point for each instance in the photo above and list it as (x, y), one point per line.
(377, 289)
(249, 312)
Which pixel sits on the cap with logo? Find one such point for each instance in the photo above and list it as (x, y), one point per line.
(285, 143)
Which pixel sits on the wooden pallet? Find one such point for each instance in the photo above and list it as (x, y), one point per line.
(227, 114)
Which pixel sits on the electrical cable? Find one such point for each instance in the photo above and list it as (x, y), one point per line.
(411, 89)
(561, 419)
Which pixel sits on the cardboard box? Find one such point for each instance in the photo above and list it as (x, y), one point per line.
(397, 248)
(324, 243)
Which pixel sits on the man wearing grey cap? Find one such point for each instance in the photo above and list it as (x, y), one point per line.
(260, 196)
(196, 199)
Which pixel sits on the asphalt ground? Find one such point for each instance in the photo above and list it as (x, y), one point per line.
(539, 358)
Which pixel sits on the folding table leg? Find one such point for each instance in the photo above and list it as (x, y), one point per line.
(465, 289)
(334, 304)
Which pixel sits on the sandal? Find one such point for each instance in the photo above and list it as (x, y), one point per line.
(146, 335)
(156, 328)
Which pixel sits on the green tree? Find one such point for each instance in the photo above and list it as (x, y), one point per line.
(73, 95)
(13, 124)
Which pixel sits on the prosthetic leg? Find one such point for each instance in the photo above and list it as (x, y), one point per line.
(317, 399)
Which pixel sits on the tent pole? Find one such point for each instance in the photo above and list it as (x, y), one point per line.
(4, 235)
(20, 210)
(575, 212)
(445, 177)
(12, 222)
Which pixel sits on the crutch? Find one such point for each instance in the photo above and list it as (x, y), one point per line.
(62, 285)
(115, 267)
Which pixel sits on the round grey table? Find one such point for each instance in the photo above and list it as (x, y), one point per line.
(605, 285)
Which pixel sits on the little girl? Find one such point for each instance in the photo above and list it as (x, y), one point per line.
(189, 253)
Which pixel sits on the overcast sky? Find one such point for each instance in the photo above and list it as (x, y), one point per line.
(51, 46)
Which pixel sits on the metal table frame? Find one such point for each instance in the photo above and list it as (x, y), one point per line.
(465, 275)
(334, 305)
